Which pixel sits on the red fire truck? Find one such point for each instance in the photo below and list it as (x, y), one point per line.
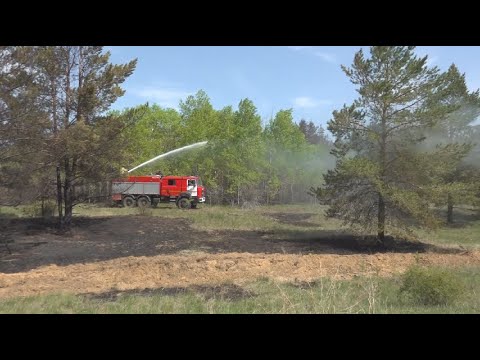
(185, 191)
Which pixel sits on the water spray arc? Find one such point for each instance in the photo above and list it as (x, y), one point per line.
(188, 147)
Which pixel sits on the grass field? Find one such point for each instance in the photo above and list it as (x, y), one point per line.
(237, 231)
(264, 296)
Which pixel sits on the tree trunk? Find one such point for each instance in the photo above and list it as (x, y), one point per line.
(383, 165)
(265, 189)
(381, 218)
(449, 209)
(59, 198)
(68, 214)
(66, 122)
(67, 194)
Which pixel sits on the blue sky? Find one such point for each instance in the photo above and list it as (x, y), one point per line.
(307, 79)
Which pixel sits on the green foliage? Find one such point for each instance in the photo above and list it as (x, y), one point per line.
(283, 132)
(431, 286)
(23, 125)
(156, 131)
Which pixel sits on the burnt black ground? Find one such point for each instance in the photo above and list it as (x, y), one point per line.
(34, 244)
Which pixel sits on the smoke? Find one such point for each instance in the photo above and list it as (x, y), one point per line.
(176, 151)
(462, 126)
(323, 160)
(473, 158)
(306, 165)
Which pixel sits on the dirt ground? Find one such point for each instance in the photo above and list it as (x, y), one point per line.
(103, 256)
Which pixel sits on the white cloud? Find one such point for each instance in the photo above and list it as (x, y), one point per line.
(328, 57)
(308, 102)
(164, 97)
(297, 48)
(331, 58)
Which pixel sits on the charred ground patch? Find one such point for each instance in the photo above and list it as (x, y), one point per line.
(99, 239)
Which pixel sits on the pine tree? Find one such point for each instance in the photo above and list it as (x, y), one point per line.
(313, 134)
(23, 126)
(77, 85)
(380, 177)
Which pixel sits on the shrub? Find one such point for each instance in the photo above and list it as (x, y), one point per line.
(250, 205)
(431, 286)
(144, 211)
(45, 209)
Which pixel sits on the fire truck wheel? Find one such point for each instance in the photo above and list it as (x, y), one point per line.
(129, 202)
(143, 201)
(183, 203)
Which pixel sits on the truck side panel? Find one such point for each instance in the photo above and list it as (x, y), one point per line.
(136, 188)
